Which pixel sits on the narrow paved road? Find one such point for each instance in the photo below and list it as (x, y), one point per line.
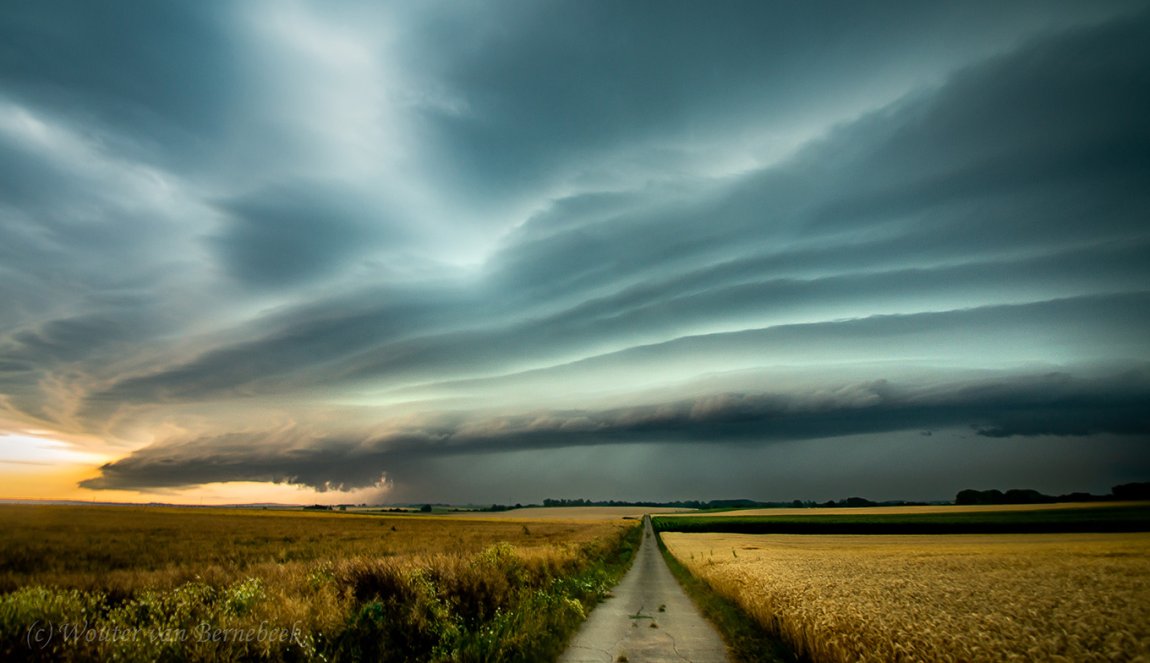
(648, 618)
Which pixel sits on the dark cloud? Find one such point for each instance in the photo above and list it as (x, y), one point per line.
(298, 231)
(1008, 155)
(880, 466)
(69, 339)
(551, 88)
(1053, 404)
(1059, 114)
(652, 227)
(1031, 329)
(163, 73)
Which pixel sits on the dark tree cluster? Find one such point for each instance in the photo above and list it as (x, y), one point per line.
(1128, 491)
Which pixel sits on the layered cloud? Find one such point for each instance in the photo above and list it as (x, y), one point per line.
(280, 243)
(1051, 405)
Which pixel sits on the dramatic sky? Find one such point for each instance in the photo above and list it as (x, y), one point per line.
(502, 251)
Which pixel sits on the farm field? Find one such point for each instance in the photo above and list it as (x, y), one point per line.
(910, 510)
(138, 583)
(573, 513)
(1122, 517)
(1053, 597)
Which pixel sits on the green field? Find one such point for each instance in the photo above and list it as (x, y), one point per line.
(1123, 518)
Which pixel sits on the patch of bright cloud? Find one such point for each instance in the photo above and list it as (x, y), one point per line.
(35, 450)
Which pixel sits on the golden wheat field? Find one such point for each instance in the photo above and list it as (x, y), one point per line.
(572, 513)
(148, 583)
(1007, 597)
(112, 548)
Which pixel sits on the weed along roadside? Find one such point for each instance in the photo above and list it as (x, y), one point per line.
(504, 592)
(747, 640)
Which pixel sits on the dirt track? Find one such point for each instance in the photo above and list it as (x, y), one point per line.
(648, 618)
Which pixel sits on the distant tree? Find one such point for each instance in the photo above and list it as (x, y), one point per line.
(1026, 496)
(1132, 491)
(971, 496)
(1080, 497)
(1012, 496)
(426, 508)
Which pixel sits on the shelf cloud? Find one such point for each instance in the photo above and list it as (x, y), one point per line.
(369, 247)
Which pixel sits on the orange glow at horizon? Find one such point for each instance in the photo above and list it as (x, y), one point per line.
(38, 467)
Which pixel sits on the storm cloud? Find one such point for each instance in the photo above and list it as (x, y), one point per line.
(336, 247)
(1053, 404)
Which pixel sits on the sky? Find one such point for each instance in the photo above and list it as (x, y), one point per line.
(281, 251)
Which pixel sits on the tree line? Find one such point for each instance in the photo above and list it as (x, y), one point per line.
(1123, 492)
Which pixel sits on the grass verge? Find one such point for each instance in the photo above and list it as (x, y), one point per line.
(747, 640)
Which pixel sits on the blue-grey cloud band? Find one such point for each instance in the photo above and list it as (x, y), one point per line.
(1051, 405)
(680, 231)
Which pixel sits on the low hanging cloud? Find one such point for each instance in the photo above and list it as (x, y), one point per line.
(1053, 404)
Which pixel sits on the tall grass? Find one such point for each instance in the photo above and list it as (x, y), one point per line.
(480, 597)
